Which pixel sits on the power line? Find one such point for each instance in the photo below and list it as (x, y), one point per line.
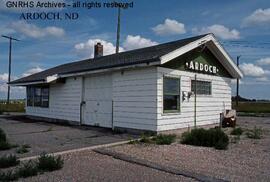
(9, 62)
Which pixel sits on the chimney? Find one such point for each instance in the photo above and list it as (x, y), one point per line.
(98, 50)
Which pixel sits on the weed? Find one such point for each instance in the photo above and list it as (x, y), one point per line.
(164, 139)
(256, 133)
(8, 161)
(237, 131)
(28, 169)
(235, 139)
(8, 176)
(145, 139)
(4, 145)
(213, 137)
(23, 149)
(49, 162)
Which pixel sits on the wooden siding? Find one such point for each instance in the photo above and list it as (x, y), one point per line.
(98, 100)
(135, 98)
(208, 107)
(64, 101)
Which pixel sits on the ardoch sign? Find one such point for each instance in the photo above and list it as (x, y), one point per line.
(193, 65)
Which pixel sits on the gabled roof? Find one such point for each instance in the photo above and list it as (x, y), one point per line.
(159, 54)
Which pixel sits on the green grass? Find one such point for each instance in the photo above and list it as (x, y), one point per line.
(8, 161)
(12, 107)
(237, 131)
(49, 162)
(213, 137)
(164, 139)
(8, 175)
(252, 107)
(23, 149)
(28, 169)
(256, 133)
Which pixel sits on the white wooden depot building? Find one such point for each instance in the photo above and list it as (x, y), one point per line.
(152, 88)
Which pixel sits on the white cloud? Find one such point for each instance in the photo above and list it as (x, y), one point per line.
(169, 27)
(4, 77)
(220, 31)
(252, 70)
(258, 17)
(86, 49)
(136, 42)
(33, 31)
(32, 71)
(264, 61)
(262, 79)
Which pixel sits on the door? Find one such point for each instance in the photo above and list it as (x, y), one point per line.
(97, 110)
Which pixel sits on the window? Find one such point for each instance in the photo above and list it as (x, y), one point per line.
(171, 94)
(38, 96)
(202, 87)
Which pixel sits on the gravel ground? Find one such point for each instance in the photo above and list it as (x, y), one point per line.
(247, 160)
(90, 166)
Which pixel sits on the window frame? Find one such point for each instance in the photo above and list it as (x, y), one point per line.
(34, 100)
(204, 94)
(175, 111)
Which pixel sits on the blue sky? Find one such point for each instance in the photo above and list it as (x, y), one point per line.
(243, 27)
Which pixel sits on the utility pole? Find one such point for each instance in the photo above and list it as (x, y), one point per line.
(118, 32)
(9, 62)
(237, 83)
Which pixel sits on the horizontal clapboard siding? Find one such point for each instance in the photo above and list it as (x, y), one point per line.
(64, 102)
(208, 107)
(135, 99)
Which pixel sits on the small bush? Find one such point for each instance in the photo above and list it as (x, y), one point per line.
(8, 161)
(8, 176)
(28, 169)
(164, 139)
(3, 137)
(237, 131)
(49, 162)
(256, 133)
(23, 149)
(213, 137)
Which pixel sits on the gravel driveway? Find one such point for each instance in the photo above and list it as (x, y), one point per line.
(247, 160)
(90, 166)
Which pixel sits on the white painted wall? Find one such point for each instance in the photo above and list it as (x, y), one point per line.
(98, 100)
(135, 98)
(64, 101)
(208, 107)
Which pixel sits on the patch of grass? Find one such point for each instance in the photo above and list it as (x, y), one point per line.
(28, 169)
(12, 107)
(213, 137)
(8, 161)
(235, 139)
(256, 133)
(23, 149)
(252, 107)
(237, 131)
(49, 162)
(164, 139)
(8, 176)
